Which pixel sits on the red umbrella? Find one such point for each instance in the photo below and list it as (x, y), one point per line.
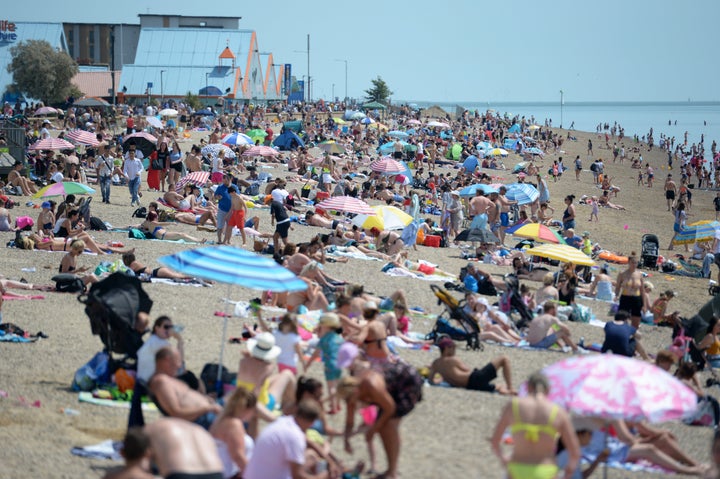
(82, 137)
(346, 204)
(198, 178)
(260, 151)
(52, 144)
(387, 165)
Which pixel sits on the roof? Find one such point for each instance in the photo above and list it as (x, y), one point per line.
(96, 83)
(270, 84)
(186, 16)
(177, 81)
(227, 53)
(191, 46)
(50, 32)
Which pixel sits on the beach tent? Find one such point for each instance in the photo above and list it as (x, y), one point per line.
(373, 105)
(288, 140)
(510, 144)
(456, 151)
(296, 126)
(514, 129)
(470, 163)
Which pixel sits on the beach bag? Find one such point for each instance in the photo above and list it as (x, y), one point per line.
(97, 224)
(157, 164)
(305, 191)
(93, 373)
(209, 376)
(68, 283)
(140, 212)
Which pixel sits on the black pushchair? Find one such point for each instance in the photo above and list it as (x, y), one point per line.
(112, 306)
(468, 329)
(511, 301)
(650, 250)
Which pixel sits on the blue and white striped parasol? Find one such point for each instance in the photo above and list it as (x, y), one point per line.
(523, 193)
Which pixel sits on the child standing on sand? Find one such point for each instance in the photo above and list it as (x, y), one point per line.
(641, 177)
(329, 346)
(595, 209)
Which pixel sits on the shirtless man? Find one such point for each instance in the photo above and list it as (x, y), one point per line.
(236, 217)
(630, 291)
(182, 450)
(193, 160)
(454, 371)
(670, 191)
(494, 213)
(176, 200)
(480, 204)
(546, 330)
(175, 398)
(504, 212)
(315, 219)
(16, 179)
(387, 242)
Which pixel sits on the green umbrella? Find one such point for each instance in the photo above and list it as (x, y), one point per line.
(256, 133)
(373, 105)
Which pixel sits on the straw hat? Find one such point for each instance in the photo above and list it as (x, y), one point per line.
(263, 347)
(330, 320)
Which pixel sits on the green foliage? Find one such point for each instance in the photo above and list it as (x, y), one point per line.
(379, 91)
(192, 100)
(39, 71)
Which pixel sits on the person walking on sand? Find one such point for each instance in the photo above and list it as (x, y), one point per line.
(679, 223)
(535, 423)
(589, 148)
(578, 167)
(236, 217)
(670, 191)
(222, 193)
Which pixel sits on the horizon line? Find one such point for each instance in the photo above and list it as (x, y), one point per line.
(565, 103)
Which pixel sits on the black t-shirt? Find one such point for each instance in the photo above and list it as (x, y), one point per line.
(278, 211)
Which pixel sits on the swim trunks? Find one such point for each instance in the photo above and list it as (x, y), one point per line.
(546, 342)
(480, 379)
(631, 304)
(669, 194)
(237, 218)
(504, 219)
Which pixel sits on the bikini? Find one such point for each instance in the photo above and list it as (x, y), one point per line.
(532, 434)
(264, 396)
(157, 228)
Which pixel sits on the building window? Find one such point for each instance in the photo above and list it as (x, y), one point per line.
(71, 41)
(91, 45)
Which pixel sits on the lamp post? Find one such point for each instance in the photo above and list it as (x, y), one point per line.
(346, 77)
(162, 88)
(333, 93)
(206, 85)
(309, 95)
(561, 108)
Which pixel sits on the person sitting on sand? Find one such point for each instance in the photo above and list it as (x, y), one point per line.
(604, 201)
(234, 445)
(454, 371)
(73, 227)
(493, 327)
(621, 338)
(481, 282)
(525, 270)
(69, 263)
(136, 453)
(173, 397)
(548, 292)
(18, 181)
(546, 330)
(175, 199)
(46, 219)
(157, 230)
(603, 285)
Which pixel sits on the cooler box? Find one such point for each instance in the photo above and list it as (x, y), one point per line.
(322, 195)
(432, 240)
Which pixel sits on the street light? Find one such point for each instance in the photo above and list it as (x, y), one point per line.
(162, 88)
(309, 96)
(346, 68)
(333, 93)
(561, 108)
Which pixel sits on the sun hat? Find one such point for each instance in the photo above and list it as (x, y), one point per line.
(370, 306)
(455, 193)
(346, 354)
(330, 320)
(586, 234)
(263, 347)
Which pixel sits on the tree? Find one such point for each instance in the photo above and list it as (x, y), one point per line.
(379, 91)
(192, 100)
(41, 72)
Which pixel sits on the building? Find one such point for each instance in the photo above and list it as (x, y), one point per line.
(273, 78)
(109, 44)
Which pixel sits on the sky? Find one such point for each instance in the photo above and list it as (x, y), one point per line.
(464, 51)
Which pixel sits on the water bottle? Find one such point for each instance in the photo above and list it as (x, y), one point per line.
(178, 328)
(28, 270)
(70, 412)
(321, 466)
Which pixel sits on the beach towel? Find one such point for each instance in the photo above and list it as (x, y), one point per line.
(105, 450)
(180, 282)
(354, 255)
(399, 272)
(87, 396)
(11, 297)
(14, 338)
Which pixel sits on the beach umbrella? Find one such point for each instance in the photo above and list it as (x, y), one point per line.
(213, 149)
(538, 232)
(144, 142)
(261, 151)
(256, 133)
(496, 152)
(523, 193)
(197, 178)
(534, 127)
(63, 189)
(697, 232)
(484, 145)
(82, 137)
(45, 111)
(610, 386)
(389, 147)
(470, 163)
(346, 204)
(520, 167)
(367, 120)
(479, 235)
(471, 190)
(234, 139)
(387, 165)
(413, 122)
(561, 252)
(437, 124)
(233, 266)
(385, 218)
(332, 148)
(356, 115)
(154, 122)
(169, 112)
(91, 101)
(374, 105)
(514, 129)
(534, 151)
(398, 134)
(339, 121)
(52, 144)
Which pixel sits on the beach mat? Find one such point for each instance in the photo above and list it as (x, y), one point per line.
(86, 396)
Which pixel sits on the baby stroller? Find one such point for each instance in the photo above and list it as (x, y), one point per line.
(112, 306)
(468, 329)
(650, 249)
(511, 301)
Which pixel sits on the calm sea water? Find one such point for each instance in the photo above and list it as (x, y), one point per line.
(637, 118)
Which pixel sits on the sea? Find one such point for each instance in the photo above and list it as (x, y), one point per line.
(669, 118)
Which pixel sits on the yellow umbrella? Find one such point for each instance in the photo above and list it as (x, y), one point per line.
(339, 121)
(385, 218)
(561, 252)
(378, 125)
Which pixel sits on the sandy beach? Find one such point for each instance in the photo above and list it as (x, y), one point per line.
(445, 436)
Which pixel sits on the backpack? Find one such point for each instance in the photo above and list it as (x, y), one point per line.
(593, 167)
(68, 283)
(97, 224)
(140, 212)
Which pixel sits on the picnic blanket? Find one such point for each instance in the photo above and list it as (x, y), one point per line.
(87, 396)
(400, 272)
(108, 449)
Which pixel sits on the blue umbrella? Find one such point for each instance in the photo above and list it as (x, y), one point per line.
(210, 91)
(514, 129)
(367, 120)
(226, 264)
(237, 139)
(472, 190)
(523, 193)
(398, 134)
(411, 131)
(390, 146)
(470, 163)
(204, 112)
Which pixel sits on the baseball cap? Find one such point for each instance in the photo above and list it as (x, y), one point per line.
(45, 205)
(445, 343)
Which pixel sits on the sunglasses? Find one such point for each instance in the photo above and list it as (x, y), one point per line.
(168, 326)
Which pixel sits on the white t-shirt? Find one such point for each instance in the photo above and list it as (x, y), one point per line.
(279, 444)
(146, 356)
(279, 195)
(57, 177)
(217, 164)
(287, 342)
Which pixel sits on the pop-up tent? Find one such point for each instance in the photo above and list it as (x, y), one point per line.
(288, 140)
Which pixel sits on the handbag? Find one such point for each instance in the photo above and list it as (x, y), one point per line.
(157, 164)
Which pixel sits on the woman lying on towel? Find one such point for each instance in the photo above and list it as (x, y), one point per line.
(157, 230)
(140, 269)
(45, 243)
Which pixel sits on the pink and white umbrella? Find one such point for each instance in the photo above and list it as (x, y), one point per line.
(346, 204)
(198, 178)
(45, 111)
(261, 151)
(413, 122)
(82, 137)
(387, 165)
(612, 387)
(52, 144)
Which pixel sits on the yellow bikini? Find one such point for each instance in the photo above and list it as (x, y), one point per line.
(532, 434)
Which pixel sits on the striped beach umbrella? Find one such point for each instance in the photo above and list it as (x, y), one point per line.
(234, 139)
(261, 151)
(197, 178)
(213, 149)
(537, 232)
(52, 144)
(697, 232)
(523, 193)
(496, 152)
(387, 165)
(346, 204)
(82, 137)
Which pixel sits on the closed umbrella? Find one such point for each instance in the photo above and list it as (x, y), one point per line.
(52, 144)
(523, 193)
(82, 137)
(385, 218)
(234, 139)
(387, 165)
(63, 189)
(346, 204)
(561, 252)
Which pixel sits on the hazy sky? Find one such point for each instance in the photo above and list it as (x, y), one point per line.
(452, 51)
